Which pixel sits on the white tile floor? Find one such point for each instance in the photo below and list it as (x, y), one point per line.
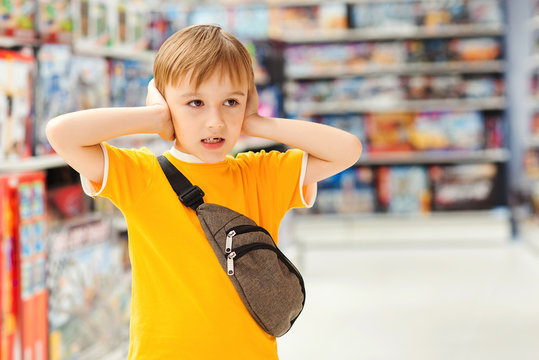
(418, 304)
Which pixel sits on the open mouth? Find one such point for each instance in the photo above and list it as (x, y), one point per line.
(213, 140)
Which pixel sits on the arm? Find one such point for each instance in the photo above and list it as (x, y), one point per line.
(76, 136)
(330, 150)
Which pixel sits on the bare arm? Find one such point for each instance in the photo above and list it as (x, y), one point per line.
(330, 150)
(76, 136)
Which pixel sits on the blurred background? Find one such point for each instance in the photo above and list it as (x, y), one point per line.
(427, 248)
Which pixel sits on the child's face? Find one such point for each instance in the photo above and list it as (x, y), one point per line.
(207, 121)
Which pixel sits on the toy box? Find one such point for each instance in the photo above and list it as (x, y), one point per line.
(463, 187)
(16, 103)
(89, 289)
(54, 95)
(403, 189)
(389, 132)
(55, 21)
(89, 81)
(351, 191)
(8, 316)
(128, 82)
(23, 257)
(18, 19)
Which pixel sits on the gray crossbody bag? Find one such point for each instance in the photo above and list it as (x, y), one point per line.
(269, 285)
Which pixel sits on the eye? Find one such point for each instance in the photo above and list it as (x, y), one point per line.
(231, 102)
(195, 103)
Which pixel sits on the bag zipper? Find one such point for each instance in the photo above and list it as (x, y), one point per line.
(238, 230)
(242, 250)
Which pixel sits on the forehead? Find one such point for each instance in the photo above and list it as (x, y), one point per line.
(218, 81)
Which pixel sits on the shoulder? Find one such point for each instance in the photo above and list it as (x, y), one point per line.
(138, 156)
(262, 157)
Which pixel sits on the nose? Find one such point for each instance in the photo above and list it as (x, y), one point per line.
(215, 119)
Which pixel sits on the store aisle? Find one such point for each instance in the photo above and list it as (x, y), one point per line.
(418, 304)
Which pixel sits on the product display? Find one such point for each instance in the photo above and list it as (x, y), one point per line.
(391, 88)
(351, 191)
(89, 290)
(423, 84)
(128, 82)
(291, 19)
(24, 255)
(16, 103)
(425, 13)
(18, 19)
(463, 187)
(54, 96)
(320, 59)
(55, 21)
(403, 189)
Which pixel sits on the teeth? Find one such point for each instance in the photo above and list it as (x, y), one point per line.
(212, 140)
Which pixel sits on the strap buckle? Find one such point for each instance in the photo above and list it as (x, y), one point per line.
(192, 197)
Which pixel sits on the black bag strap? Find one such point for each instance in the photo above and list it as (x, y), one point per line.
(190, 195)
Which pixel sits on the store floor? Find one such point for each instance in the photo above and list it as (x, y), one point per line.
(407, 303)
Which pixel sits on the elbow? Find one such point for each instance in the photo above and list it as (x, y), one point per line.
(53, 132)
(354, 150)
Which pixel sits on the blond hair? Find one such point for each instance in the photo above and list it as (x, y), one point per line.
(203, 49)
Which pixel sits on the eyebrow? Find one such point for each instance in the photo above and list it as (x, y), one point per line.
(195, 94)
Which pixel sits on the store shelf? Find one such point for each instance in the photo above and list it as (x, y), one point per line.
(9, 42)
(32, 163)
(397, 33)
(115, 53)
(388, 105)
(459, 67)
(474, 227)
(436, 157)
(308, 2)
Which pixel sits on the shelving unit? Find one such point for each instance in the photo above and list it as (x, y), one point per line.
(458, 67)
(401, 33)
(30, 164)
(479, 226)
(390, 105)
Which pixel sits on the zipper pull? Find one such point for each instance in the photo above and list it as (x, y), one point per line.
(228, 244)
(230, 263)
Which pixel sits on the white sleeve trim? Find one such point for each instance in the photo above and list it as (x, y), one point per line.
(87, 185)
(312, 189)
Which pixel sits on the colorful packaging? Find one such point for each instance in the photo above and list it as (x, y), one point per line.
(55, 21)
(464, 187)
(54, 95)
(18, 19)
(89, 288)
(403, 189)
(128, 82)
(16, 104)
(389, 132)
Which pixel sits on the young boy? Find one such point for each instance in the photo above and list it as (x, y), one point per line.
(183, 304)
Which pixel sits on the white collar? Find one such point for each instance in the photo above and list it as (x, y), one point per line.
(184, 156)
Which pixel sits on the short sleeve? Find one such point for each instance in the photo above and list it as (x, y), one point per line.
(280, 177)
(126, 175)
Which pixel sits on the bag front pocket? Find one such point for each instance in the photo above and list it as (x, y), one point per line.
(270, 284)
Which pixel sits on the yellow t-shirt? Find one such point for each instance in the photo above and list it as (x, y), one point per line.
(183, 304)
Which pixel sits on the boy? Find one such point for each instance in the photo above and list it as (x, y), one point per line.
(183, 304)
